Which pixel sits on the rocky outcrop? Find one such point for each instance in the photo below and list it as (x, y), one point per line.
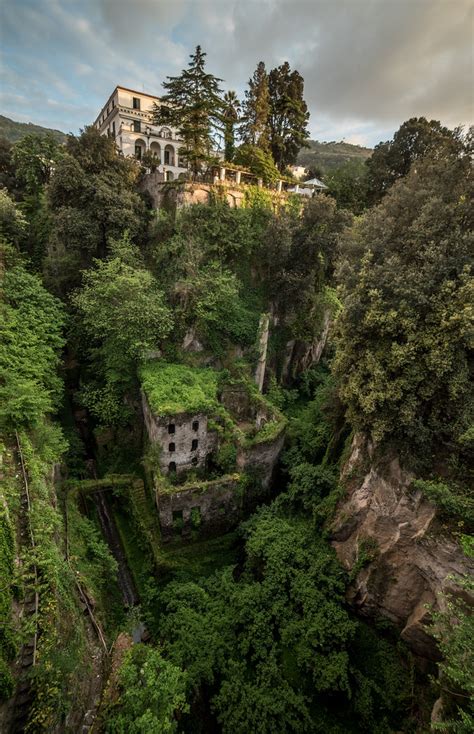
(389, 538)
(300, 356)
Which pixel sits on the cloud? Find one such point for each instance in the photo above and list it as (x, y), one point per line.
(368, 64)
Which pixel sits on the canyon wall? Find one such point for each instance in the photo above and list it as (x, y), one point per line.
(402, 558)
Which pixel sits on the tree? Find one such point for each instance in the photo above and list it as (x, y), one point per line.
(267, 643)
(414, 139)
(404, 359)
(152, 692)
(12, 222)
(258, 161)
(254, 129)
(123, 315)
(230, 116)
(34, 158)
(193, 105)
(288, 115)
(31, 326)
(92, 199)
(348, 184)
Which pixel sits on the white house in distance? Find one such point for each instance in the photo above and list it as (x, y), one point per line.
(127, 117)
(298, 172)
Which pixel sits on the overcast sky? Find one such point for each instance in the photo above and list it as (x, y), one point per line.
(368, 65)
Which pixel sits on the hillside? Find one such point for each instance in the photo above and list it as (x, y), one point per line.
(331, 155)
(14, 131)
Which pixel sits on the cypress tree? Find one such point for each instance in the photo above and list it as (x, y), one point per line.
(256, 110)
(288, 117)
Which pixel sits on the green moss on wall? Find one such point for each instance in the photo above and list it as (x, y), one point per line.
(177, 388)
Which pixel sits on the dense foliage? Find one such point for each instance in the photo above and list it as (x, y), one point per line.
(31, 325)
(265, 643)
(404, 359)
(192, 104)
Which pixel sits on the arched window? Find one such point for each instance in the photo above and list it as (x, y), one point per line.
(171, 448)
(172, 466)
(195, 425)
(194, 444)
(171, 428)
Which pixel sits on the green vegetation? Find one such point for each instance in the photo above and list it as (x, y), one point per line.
(13, 131)
(30, 339)
(370, 333)
(176, 388)
(324, 157)
(192, 105)
(403, 348)
(452, 500)
(152, 691)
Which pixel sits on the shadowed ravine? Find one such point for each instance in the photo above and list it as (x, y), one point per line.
(110, 532)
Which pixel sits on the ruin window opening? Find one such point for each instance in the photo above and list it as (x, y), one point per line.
(194, 444)
(178, 521)
(171, 447)
(171, 428)
(172, 466)
(194, 461)
(195, 425)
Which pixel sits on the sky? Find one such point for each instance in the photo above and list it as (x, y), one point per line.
(368, 65)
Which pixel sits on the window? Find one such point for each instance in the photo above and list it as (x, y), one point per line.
(194, 444)
(136, 103)
(137, 126)
(171, 447)
(195, 425)
(172, 466)
(167, 158)
(194, 461)
(113, 128)
(138, 152)
(171, 428)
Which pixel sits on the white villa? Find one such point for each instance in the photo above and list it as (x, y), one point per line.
(127, 117)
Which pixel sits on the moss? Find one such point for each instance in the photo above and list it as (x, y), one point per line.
(176, 388)
(166, 487)
(268, 432)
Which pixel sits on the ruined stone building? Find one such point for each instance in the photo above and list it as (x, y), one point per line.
(218, 442)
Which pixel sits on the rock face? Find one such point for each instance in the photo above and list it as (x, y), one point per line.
(407, 558)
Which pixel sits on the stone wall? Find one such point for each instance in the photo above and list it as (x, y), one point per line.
(176, 195)
(179, 433)
(261, 458)
(210, 508)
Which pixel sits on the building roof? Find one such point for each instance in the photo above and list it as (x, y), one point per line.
(135, 91)
(315, 182)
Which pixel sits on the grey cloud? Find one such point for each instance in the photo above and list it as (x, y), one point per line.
(368, 64)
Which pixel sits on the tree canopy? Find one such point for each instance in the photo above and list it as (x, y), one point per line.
(193, 105)
(288, 115)
(404, 358)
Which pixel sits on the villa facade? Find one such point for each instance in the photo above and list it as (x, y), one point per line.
(127, 116)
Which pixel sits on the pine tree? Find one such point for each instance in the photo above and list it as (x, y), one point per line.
(256, 110)
(288, 118)
(193, 105)
(230, 118)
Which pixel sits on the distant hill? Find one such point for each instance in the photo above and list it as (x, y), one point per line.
(331, 155)
(14, 131)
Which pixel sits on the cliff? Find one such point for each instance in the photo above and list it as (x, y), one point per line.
(401, 557)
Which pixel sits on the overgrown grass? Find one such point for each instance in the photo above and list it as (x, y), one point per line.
(177, 388)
